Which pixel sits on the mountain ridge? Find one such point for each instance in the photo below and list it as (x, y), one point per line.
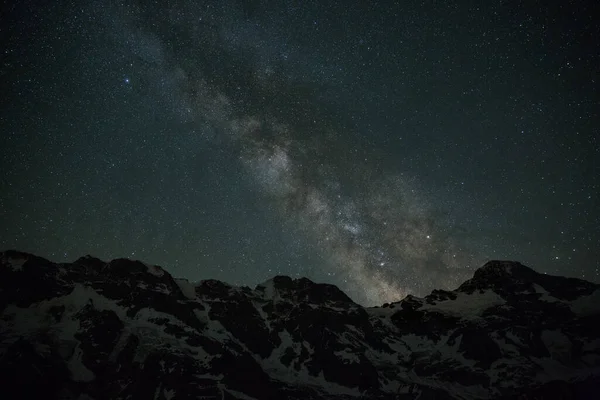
(100, 328)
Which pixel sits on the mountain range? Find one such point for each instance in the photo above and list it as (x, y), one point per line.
(125, 329)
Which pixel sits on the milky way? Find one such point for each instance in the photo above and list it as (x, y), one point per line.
(382, 239)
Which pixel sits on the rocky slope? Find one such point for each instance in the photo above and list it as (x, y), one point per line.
(127, 330)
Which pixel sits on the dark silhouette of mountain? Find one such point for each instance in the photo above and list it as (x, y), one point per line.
(128, 330)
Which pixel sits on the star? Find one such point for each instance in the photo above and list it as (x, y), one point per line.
(336, 153)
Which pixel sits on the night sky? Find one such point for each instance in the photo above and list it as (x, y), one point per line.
(388, 149)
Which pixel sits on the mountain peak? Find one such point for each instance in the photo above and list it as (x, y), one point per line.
(301, 289)
(498, 274)
(510, 277)
(502, 269)
(90, 261)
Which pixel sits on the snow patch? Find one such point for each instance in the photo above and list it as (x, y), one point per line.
(168, 394)
(161, 288)
(558, 344)
(79, 372)
(16, 264)
(273, 362)
(234, 393)
(545, 296)
(269, 290)
(263, 315)
(187, 288)
(381, 312)
(455, 390)
(214, 329)
(510, 344)
(210, 376)
(303, 377)
(155, 270)
(152, 336)
(550, 369)
(392, 386)
(347, 355)
(83, 295)
(467, 306)
(587, 305)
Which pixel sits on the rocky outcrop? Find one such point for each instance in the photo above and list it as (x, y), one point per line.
(127, 330)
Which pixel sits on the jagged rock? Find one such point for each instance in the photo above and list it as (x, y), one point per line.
(127, 330)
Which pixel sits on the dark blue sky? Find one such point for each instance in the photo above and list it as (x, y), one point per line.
(388, 149)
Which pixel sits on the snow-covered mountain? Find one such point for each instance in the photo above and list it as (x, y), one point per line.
(128, 330)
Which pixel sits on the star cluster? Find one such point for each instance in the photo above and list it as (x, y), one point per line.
(386, 148)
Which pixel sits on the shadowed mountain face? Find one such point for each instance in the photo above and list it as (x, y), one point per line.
(127, 330)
